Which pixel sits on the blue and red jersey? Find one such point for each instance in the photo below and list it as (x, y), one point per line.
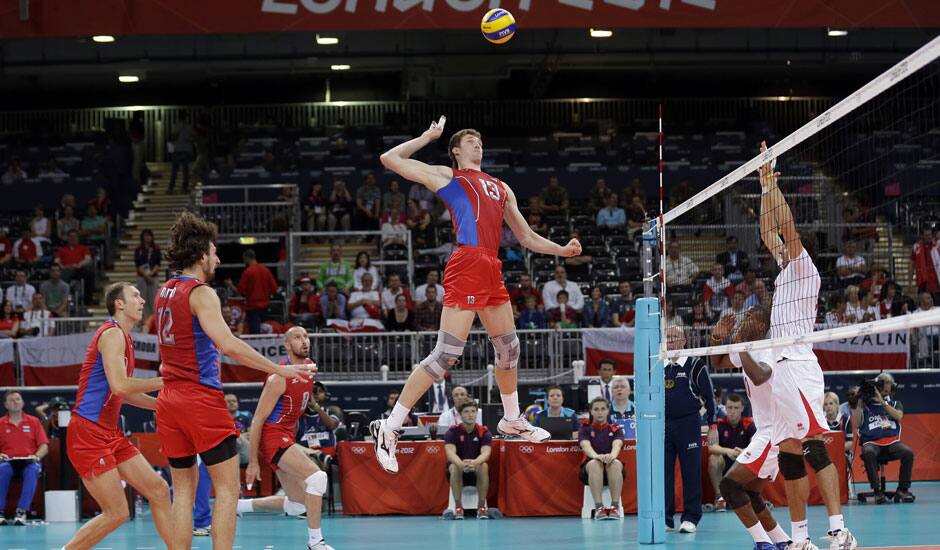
(95, 402)
(186, 351)
(292, 403)
(476, 202)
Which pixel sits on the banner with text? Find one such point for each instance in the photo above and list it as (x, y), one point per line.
(117, 17)
(870, 352)
(608, 343)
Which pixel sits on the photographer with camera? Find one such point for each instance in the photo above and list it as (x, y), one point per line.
(877, 417)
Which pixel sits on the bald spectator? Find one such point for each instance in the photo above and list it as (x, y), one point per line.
(552, 288)
(680, 270)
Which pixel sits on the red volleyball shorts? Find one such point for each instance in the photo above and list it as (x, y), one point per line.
(273, 440)
(93, 450)
(473, 279)
(191, 419)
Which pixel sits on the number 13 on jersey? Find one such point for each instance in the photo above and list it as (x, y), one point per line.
(490, 188)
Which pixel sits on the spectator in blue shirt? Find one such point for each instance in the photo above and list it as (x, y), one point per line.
(242, 422)
(596, 312)
(531, 317)
(316, 428)
(611, 216)
(555, 397)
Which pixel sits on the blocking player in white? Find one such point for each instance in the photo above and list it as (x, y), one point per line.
(798, 385)
(756, 466)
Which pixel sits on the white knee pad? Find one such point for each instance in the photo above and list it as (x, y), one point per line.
(444, 356)
(507, 350)
(316, 484)
(292, 508)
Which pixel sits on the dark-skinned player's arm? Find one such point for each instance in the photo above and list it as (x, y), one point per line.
(398, 160)
(530, 239)
(111, 346)
(205, 305)
(273, 389)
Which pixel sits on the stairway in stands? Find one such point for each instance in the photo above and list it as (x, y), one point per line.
(154, 209)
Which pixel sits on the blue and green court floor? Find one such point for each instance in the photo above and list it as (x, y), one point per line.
(893, 526)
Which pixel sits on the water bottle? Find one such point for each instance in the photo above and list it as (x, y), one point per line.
(138, 506)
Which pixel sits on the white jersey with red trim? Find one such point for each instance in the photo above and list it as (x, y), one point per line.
(796, 293)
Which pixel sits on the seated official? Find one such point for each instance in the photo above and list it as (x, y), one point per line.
(839, 423)
(601, 442)
(23, 444)
(734, 435)
(877, 418)
(468, 446)
(451, 417)
(556, 398)
(622, 409)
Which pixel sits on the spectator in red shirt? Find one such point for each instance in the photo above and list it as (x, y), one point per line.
(23, 444)
(76, 262)
(101, 202)
(27, 250)
(519, 293)
(305, 305)
(256, 284)
(925, 274)
(6, 249)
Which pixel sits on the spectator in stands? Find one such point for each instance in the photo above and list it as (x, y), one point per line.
(316, 428)
(421, 225)
(6, 249)
(563, 315)
(554, 196)
(853, 305)
(623, 307)
(717, 291)
(102, 203)
(926, 272)
(720, 411)
(634, 190)
(759, 295)
(390, 400)
(340, 207)
(875, 281)
(304, 306)
(94, 226)
(636, 216)
(363, 266)
(393, 290)
(509, 246)
(534, 216)
(734, 261)
(578, 264)
(9, 322)
(337, 270)
(877, 418)
(423, 197)
(368, 203)
(15, 172)
(181, 152)
(669, 313)
(870, 310)
(597, 198)
(680, 193)
(316, 208)
(394, 227)
(67, 200)
(851, 401)
(40, 225)
(65, 223)
(21, 437)
(20, 293)
(451, 417)
(555, 400)
(242, 422)
(399, 318)
(51, 171)
(734, 435)
(681, 271)
(596, 312)
(56, 292)
(467, 446)
(27, 250)
(836, 316)
(531, 317)
(606, 370)
(927, 337)
(889, 295)
(601, 442)
(235, 324)
(850, 266)
(392, 195)
(551, 289)
(365, 302)
(736, 309)
(431, 279)
(270, 163)
(36, 320)
(522, 291)
(611, 217)
(333, 302)
(256, 285)
(147, 258)
(428, 312)
(622, 409)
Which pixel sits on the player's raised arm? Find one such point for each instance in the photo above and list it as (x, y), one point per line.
(775, 215)
(207, 308)
(111, 346)
(272, 390)
(398, 160)
(530, 239)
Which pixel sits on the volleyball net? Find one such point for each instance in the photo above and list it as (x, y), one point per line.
(815, 231)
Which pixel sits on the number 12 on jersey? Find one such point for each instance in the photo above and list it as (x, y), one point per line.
(165, 326)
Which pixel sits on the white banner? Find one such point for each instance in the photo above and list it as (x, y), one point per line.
(888, 350)
(271, 347)
(53, 351)
(888, 342)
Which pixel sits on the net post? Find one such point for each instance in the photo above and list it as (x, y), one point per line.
(650, 425)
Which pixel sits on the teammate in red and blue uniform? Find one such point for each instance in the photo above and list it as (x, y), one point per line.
(191, 412)
(281, 404)
(101, 454)
(473, 280)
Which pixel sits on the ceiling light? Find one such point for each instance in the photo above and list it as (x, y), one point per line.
(103, 38)
(327, 40)
(601, 33)
(837, 32)
(128, 78)
(340, 67)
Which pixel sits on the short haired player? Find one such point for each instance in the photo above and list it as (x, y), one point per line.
(98, 449)
(272, 431)
(798, 385)
(473, 280)
(191, 412)
(756, 466)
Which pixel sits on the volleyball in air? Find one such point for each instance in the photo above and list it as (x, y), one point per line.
(498, 26)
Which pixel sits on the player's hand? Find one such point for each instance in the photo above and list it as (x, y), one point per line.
(733, 454)
(434, 132)
(573, 248)
(878, 397)
(34, 458)
(767, 175)
(252, 474)
(723, 327)
(296, 371)
(4, 457)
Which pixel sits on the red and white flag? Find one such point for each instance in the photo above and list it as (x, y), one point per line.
(608, 343)
(889, 350)
(7, 368)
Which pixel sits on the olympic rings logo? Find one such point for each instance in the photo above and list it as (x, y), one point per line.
(527, 449)
(359, 450)
(433, 450)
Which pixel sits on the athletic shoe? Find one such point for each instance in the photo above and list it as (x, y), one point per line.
(687, 527)
(764, 546)
(880, 498)
(842, 540)
(458, 512)
(805, 545)
(903, 495)
(321, 545)
(613, 513)
(783, 545)
(483, 513)
(385, 442)
(520, 427)
(201, 531)
(3, 520)
(20, 518)
(600, 513)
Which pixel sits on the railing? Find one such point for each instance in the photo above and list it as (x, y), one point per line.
(250, 215)
(60, 326)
